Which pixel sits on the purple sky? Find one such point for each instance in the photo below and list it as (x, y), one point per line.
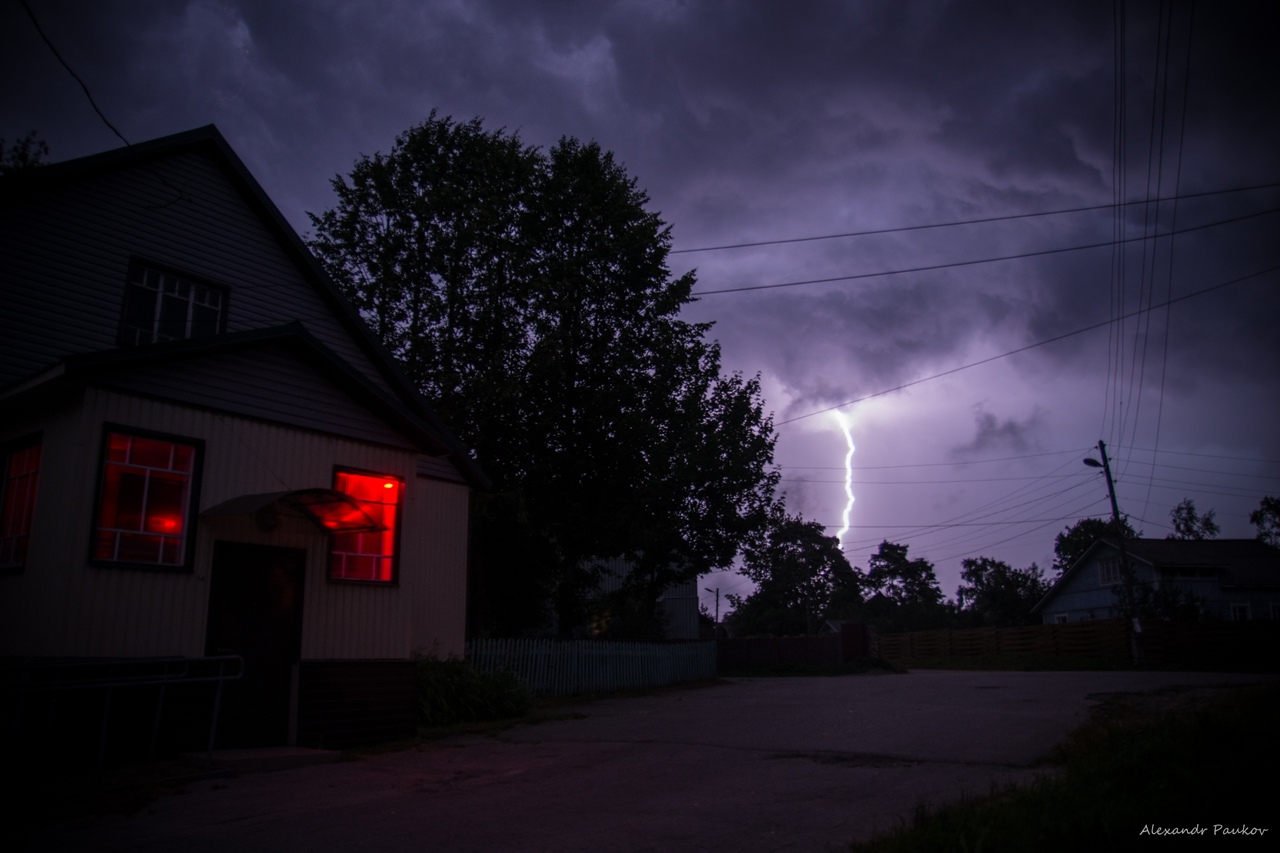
(754, 121)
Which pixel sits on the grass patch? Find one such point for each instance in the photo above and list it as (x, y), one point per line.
(1178, 758)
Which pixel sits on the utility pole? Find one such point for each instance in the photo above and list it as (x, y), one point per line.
(717, 594)
(1126, 570)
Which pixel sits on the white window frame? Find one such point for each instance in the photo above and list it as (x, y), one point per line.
(148, 284)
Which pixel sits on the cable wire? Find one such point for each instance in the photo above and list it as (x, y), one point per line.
(1044, 342)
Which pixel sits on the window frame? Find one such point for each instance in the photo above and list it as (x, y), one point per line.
(1110, 571)
(7, 451)
(192, 503)
(394, 580)
(137, 264)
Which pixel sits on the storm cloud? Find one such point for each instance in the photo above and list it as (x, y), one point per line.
(764, 122)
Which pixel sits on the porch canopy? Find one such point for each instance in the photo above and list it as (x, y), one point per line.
(330, 510)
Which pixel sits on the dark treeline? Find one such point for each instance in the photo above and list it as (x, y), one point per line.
(802, 578)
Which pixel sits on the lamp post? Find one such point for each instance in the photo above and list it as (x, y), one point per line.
(1126, 571)
(716, 591)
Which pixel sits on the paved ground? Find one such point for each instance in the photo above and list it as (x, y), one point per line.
(755, 765)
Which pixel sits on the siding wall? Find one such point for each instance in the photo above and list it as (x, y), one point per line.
(59, 605)
(268, 382)
(1082, 594)
(67, 253)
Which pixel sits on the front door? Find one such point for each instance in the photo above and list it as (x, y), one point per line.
(255, 611)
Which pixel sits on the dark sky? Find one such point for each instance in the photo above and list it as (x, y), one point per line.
(762, 121)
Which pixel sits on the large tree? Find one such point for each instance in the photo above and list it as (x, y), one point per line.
(903, 593)
(527, 293)
(1073, 541)
(994, 593)
(900, 579)
(797, 569)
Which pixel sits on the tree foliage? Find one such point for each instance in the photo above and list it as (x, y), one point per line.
(1188, 524)
(25, 153)
(798, 570)
(1073, 541)
(903, 581)
(902, 593)
(992, 593)
(1267, 519)
(527, 294)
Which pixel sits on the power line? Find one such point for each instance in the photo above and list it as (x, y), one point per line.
(946, 526)
(1200, 455)
(58, 56)
(921, 482)
(1007, 218)
(1054, 339)
(999, 506)
(1112, 243)
(926, 464)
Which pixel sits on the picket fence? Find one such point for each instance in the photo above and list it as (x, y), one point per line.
(567, 668)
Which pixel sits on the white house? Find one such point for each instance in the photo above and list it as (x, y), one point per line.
(203, 451)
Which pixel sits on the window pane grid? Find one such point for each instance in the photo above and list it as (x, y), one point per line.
(163, 307)
(145, 496)
(368, 556)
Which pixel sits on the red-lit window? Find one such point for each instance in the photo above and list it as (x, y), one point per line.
(19, 473)
(144, 508)
(367, 556)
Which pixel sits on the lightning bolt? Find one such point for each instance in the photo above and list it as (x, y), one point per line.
(848, 477)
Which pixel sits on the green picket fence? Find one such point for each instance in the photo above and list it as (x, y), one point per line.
(569, 668)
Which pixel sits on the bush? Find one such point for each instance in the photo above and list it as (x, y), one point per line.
(451, 692)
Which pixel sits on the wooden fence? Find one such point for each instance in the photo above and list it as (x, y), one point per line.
(1211, 645)
(558, 668)
(1104, 639)
(746, 654)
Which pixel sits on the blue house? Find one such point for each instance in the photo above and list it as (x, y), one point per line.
(1235, 579)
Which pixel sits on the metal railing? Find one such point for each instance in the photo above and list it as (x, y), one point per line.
(22, 678)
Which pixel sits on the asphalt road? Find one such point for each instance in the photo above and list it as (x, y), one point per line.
(753, 765)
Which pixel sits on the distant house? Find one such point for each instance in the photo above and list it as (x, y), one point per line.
(203, 451)
(1232, 578)
(677, 605)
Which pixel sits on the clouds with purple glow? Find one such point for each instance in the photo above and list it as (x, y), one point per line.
(755, 122)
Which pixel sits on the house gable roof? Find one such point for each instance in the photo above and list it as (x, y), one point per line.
(1241, 562)
(16, 187)
(173, 360)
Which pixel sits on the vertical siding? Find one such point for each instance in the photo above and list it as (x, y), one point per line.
(67, 251)
(440, 540)
(62, 606)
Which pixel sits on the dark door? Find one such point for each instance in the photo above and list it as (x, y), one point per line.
(255, 611)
